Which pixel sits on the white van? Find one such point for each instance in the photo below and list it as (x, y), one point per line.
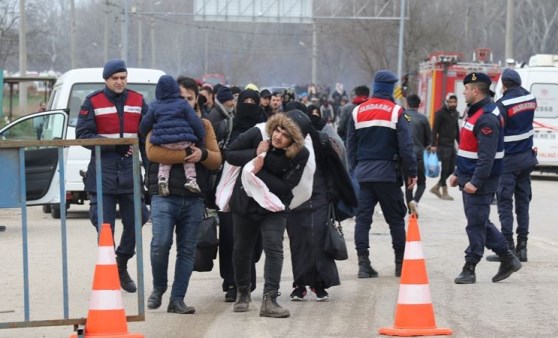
(540, 77)
(69, 92)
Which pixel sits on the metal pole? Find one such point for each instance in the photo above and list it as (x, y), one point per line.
(205, 61)
(106, 31)
(22, 58)
(73, 34)
(509, 29)
(401, 35)
(152, 33)
(314, 53)
(140, 36)
(124, 50)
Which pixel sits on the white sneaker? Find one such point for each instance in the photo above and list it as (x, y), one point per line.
(413, 208)
(163, 185)
(192, 186)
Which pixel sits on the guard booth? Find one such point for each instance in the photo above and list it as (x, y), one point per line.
(32, 173)
(13, 81)
(443, 72)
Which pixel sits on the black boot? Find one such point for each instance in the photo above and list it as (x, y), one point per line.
(270, 308)
(154, 300)
(178, 306)
(365, 270)
(508, 265)
(398, 264)
(230, 296)
(126, 282)
(467, 275)
(242, 299)
(495, 257)
(521, 249)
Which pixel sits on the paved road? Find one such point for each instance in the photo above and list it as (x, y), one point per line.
(525, 305)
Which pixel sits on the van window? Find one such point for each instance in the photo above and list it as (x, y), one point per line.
(81, 90)
(547, 99)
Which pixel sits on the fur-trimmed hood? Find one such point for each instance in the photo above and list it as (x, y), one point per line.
(282, 120)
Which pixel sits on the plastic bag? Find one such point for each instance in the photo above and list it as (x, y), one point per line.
(431, 164)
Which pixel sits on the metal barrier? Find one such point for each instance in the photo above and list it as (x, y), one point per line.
(12, 180)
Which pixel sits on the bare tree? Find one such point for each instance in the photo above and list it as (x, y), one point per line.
(8, 31)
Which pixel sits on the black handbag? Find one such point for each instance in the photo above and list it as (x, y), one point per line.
(207, 244)
(335, 245)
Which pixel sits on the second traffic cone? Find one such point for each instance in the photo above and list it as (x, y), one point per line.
(106, 316)
(414, 315)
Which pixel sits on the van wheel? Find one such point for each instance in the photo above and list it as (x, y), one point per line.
(55, 210)
(46, 209)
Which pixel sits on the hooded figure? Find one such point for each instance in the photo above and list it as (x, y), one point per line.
(171, 118)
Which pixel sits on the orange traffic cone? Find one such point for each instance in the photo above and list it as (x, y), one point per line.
(414, 315)
(106, 316)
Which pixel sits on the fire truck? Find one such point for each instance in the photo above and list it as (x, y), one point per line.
(443, 72)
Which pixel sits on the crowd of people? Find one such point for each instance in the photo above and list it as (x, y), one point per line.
(270, 163)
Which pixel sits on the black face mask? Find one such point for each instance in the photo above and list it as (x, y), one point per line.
(317, 121)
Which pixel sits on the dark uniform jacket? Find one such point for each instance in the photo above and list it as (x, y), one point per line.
(481, 150)
(103, 115)
(445, 129)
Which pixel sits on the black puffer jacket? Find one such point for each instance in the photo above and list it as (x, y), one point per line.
(282, 169)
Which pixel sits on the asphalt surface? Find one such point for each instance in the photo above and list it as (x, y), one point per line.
(525, 305)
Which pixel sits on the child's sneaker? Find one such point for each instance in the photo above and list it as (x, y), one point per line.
(163, 185)
(192, 185)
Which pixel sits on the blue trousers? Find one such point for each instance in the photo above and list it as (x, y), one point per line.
(480, 230)
(515, 184)
(126, 247)
(172, 214)
(390, 197)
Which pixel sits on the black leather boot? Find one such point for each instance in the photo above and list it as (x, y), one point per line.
(467, 275)
(521, 249)
(126, 282)
(270, 308)
(495, 257)
(365, 270)
(242, 299)
(154, 300)
(398, 264)
(509, 264)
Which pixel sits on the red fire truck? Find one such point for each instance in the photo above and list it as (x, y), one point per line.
(443, 73)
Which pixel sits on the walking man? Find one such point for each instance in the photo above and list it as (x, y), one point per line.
(445, 132)
(378, 142)
(422, 136)
(114, 112)
(518, 107)
(479, 166)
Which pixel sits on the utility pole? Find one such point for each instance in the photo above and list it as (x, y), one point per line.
(314, 53)
(401, 36)
(22, 60)
(73, 33)
(140, 36)
(107, 11)
(152, 36)
(205, 60)
(509, 30)
(124, 38)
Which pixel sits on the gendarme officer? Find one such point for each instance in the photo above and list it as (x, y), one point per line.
(114, 112)
(518, 107)
(479, 166)
(380, 151)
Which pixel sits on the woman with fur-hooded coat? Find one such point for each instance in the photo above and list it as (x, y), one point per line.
(279, 162)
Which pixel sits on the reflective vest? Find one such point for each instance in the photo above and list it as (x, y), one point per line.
(109, 123)
(518, 132)
(375, 126)
(467, 155)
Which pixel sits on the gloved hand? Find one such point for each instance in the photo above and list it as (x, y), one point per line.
(122, 149)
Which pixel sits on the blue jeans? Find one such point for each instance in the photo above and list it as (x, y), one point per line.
(183, 216)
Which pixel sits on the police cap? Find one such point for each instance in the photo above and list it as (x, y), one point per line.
(511, 75)
(477, 78)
